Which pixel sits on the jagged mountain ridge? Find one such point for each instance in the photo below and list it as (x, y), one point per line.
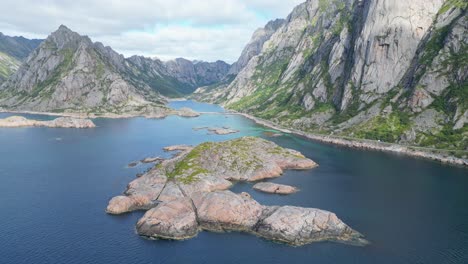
(177, 77)
(389, 70)
(18, 47)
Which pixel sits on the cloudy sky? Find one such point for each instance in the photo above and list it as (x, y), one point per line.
(195, 29)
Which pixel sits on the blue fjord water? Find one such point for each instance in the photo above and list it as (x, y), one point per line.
(55, 185)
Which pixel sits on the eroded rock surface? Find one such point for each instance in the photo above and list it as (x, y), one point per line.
(172, 220)
(61, 122)
(299, 226)
(270, 187)
(189, 193)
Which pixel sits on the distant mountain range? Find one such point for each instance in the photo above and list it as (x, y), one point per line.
(13, 51)
(68, 72)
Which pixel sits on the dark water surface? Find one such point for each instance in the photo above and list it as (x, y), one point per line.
(55, 185)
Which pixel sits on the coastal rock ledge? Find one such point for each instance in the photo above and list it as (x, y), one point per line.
(189, 193)
(61, 122)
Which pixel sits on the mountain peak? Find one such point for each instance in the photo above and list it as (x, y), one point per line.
(64, 37)
(64, 29)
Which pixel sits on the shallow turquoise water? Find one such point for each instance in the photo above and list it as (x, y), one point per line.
(55, 185)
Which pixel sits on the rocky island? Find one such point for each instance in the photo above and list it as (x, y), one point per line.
(218, 130)
(189, 193)
(274, 188)
(61, 122)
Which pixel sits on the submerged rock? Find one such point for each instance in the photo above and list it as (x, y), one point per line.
(272, 134)
(270, 187)
(61, 122)
(177, 148)
(188, 193)
(151, 160)
(133, 164)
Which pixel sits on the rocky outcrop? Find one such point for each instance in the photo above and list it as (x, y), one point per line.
(274, 188)
(172, 220)
(300, 226)
(187, 112)
(188, 193)
(62, 122)
(223, 211)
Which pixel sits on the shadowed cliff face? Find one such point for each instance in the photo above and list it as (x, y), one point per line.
(388, 70)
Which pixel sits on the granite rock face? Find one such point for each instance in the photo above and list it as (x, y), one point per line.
(188, 193)
(330, 62)
(170, 220)
(224, 211)
(300, 226)
(61, 122)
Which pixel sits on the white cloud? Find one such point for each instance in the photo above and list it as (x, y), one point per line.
(205, 30)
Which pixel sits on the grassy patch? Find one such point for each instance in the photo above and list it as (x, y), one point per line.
(388, 129)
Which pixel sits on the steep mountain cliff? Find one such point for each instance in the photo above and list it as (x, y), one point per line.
(388, 70)
(69, 72)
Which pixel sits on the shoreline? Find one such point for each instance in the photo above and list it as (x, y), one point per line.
(364, 144)
(334, 140)
(104, 115)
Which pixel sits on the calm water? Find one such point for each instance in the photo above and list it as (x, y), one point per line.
(55, 185)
